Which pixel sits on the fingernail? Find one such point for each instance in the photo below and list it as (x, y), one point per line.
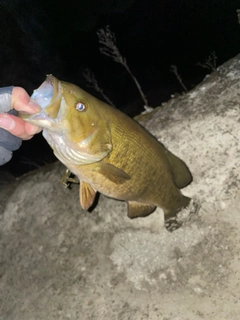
(6, 123)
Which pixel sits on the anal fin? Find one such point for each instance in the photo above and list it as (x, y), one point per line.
(87, 195)
(138, 209)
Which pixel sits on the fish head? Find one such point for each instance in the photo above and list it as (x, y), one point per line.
(73, 122)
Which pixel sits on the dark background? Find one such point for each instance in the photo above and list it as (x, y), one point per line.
(59, 37)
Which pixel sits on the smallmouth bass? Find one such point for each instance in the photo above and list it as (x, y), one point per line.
(108, 151)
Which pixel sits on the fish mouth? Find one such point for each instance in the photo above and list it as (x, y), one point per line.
(43, 95)
(47, 96)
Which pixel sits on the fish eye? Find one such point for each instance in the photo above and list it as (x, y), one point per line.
(80, 106)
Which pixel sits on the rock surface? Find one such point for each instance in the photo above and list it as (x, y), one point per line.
(59, 262)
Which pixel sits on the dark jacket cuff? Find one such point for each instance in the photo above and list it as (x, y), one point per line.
(5, 99)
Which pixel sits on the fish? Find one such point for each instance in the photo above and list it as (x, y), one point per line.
(109, 152)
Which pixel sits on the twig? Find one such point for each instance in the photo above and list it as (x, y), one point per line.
(107, 38)
(174, 70)
(89, 76)
(210, 62)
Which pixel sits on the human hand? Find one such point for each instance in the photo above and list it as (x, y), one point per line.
(20, 101)
(12, 128)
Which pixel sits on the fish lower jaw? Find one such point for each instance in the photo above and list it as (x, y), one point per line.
(39, 119)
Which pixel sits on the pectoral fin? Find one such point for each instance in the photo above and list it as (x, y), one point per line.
(87, 195)
(138, 209)
(182, 175)
(112, 173)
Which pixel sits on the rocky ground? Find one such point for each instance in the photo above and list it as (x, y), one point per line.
(59, 262)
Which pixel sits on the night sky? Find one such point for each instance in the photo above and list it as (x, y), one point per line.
(41, 37)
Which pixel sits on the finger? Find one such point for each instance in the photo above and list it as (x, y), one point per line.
(18, 127)
(31, 130)
(22, 102)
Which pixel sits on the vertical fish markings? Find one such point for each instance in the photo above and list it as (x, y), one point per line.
(108, 151)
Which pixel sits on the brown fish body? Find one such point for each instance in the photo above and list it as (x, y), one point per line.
(132, 165)
(145, 161)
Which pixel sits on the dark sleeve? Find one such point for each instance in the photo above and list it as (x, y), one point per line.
(8, 142)
(5, 99)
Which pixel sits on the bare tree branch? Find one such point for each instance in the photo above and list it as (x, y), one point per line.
(89, 76)
(210, 62)
(108, 39)
(174, 70)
